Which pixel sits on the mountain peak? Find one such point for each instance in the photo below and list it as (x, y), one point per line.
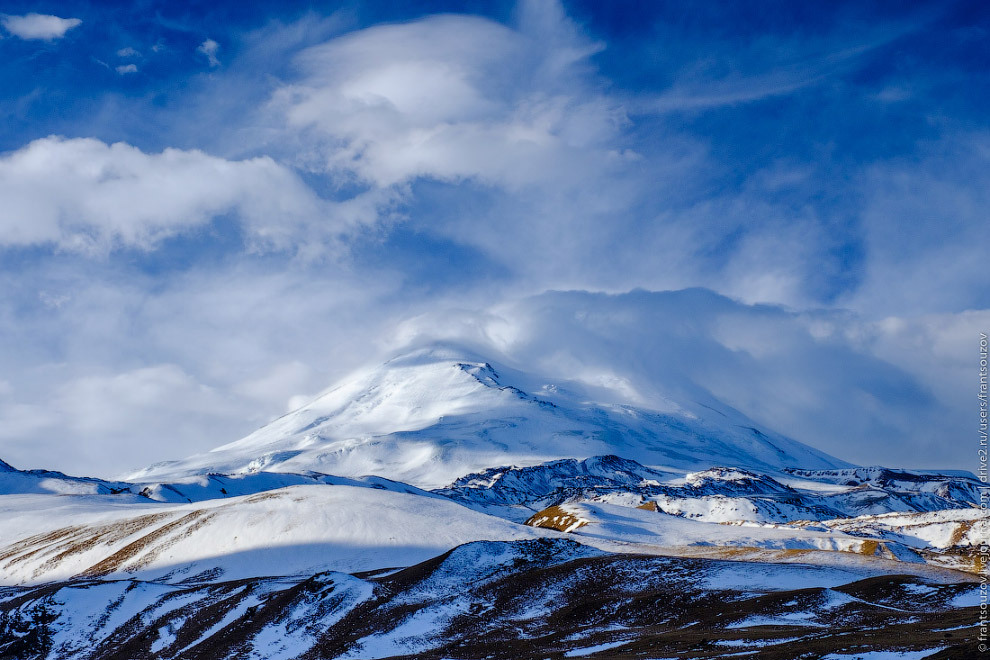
(433, 414)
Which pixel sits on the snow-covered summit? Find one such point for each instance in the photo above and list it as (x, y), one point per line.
(431, 415)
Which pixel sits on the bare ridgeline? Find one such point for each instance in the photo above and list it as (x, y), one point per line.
(433, 507)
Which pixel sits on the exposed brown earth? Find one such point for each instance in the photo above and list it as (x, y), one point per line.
(60, 544)
(555, 517)
(152, 544)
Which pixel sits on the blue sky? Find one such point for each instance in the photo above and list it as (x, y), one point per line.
(212, 210)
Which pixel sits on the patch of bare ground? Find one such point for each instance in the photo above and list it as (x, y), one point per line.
(868, 547)
(261, 497)
(106, 535)
(65, 542)
(961, 529)
(190, 522)
(960, 558)
(555, 517)
(25, 548)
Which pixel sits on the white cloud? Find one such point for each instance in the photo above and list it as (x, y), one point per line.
(53, 300)
(869, 393)
(539, 160)
(85, 195)
(511, 125)
(451, 98)
(793, 69)
(210, 48)
(39, 26)
(924, 229)
(212, 353)
(128, 52)
(127, 68)
(109, 418)
(292, 377)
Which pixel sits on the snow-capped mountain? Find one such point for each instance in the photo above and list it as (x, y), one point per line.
(433, 415)
(439, 506)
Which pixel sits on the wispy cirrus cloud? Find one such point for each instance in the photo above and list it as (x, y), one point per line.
(734, 73)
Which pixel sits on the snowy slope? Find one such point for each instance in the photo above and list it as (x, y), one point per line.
(14, 481)
(435, 414)
(199, 488)
(609, 522)
(305, 529)
(943, 538)
(289, 531)
(928, 540)
(714, 495)
(189, 488)
(936, 529)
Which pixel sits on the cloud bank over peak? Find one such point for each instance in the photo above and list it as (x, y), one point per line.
(828, 378)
